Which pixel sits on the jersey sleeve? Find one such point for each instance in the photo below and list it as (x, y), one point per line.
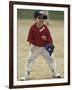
(30, 36)
(49, 39)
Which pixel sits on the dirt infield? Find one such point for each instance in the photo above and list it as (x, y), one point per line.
(40, 69)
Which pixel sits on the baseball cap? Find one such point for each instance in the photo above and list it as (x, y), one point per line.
(40, 12)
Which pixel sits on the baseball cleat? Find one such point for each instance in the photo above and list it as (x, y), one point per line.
(57, 75)
(24, 78)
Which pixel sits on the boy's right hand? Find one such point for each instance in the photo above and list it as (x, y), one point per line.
(29, 43)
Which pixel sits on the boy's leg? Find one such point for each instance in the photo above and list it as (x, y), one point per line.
(30, 62)
(51, 62)
(33, 54)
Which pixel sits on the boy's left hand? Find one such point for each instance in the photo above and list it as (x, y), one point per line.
(49, 48)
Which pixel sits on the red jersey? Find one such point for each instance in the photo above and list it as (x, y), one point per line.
(35, 35)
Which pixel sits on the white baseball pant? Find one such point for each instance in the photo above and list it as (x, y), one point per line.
(35, 51)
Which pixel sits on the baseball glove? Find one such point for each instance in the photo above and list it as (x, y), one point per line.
(49, 48)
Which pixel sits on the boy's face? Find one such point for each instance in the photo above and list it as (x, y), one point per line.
(40, 19)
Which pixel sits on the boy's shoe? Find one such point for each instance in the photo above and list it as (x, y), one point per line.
(56, 75)
(24, 78)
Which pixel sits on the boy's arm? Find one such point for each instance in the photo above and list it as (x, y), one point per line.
(30, 36)
(50, 46)
(49, 38)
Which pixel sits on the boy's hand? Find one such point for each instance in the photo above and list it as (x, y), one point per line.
(43, 37)
(49, 48)
(29, 43)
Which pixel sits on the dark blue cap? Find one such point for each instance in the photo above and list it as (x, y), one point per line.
(40, 12)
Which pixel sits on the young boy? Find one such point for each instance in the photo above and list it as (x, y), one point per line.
(39, 37)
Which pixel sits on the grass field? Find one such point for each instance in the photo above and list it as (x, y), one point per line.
(40, 69)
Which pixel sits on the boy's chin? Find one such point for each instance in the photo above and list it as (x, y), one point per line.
(41, 23)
